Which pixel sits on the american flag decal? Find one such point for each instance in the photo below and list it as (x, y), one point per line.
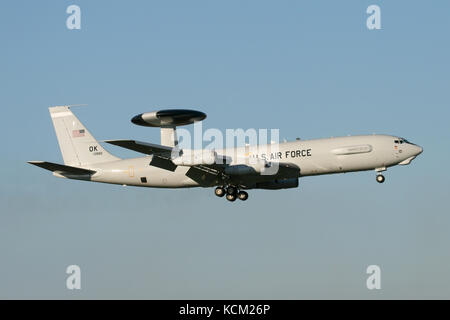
(78, 133)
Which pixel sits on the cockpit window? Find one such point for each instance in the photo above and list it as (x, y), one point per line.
(401, 141)
(405, 141)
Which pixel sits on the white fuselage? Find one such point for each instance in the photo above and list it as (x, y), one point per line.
(313, 157)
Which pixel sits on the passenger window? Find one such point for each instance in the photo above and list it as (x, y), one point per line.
(144, 180)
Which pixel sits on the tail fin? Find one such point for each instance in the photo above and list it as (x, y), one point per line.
(78, 146)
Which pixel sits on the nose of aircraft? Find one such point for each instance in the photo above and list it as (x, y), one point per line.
(417, 150)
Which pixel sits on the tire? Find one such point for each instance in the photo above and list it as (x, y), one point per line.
(231, 197)
(231, 190)
(220, 192)
(380, 178)
(242, 195)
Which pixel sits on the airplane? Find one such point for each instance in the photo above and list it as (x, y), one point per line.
(229, 171)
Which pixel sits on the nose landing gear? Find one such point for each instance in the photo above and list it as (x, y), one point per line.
(380, 178)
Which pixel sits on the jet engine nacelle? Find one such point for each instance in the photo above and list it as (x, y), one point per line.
(278, 184)
(195, 158)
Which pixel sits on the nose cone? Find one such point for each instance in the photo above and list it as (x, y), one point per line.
(418, 150)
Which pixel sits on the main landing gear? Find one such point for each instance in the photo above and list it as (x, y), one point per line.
(220, 192)
(231, 193)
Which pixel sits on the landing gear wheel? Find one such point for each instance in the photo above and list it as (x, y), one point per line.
(220, 192)
(242, 195)
(380, 178)
(231, 197)
(232, 190)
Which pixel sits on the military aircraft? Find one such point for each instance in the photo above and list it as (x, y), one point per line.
(231, 171)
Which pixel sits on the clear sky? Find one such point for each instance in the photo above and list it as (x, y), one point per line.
(310, 68)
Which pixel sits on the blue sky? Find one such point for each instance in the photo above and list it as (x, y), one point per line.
(310, 68)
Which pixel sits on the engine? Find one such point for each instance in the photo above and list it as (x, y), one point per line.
(278, 184)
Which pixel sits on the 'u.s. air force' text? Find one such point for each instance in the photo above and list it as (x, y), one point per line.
(299, 153)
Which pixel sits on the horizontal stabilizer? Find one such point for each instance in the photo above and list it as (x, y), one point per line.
(142, 147)
(60, 168)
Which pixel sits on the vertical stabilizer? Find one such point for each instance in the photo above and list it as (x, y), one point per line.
(78, 146)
